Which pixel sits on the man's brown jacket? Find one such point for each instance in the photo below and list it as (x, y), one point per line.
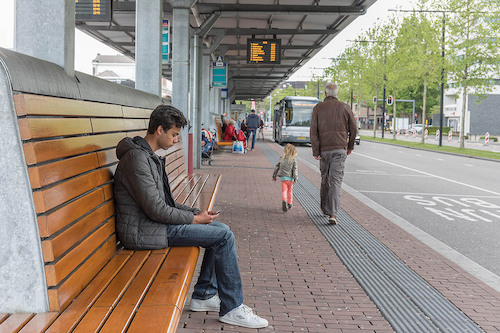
(332, 126)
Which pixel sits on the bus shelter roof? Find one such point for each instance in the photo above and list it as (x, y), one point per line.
(304, 27)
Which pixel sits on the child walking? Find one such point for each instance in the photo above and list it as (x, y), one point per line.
(288, 170)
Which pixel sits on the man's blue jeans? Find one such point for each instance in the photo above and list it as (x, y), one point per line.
(249, 131)
(219, 269)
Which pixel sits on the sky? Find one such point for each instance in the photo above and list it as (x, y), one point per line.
(86, 48)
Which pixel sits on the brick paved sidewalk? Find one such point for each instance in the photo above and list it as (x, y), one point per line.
(292, 276)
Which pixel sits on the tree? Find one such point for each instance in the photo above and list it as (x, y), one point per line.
(473, 49)
(417, 50)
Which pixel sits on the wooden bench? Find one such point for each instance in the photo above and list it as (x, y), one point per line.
(93, 283)
(220, 135)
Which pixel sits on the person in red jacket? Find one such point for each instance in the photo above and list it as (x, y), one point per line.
(333, 131)
(230, 133)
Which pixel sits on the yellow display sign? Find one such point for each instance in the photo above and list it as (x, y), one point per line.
(263, 51)
(93, 10)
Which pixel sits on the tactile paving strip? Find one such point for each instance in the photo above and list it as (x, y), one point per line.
(407, 301)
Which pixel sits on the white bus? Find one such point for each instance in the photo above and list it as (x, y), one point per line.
(292, 119)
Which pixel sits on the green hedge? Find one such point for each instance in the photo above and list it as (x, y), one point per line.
(492, 138)
(431, 130)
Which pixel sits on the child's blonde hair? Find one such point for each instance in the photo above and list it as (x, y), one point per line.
(289, 151)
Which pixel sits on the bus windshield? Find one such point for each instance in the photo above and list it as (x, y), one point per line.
(298, 113)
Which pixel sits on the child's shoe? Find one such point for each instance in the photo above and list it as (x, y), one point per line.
(290, 206)
(284, 206)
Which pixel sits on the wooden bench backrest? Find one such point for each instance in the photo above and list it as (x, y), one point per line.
(218, 124)
(69, 148)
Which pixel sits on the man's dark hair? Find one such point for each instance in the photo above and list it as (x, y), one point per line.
(253, 110)
(167, 116)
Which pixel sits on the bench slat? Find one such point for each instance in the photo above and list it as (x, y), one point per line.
(60, 298)
(51, 173)
(155, 319)
(55, 221)
(96, 316)
(3, 316)
(56, 272)
(56, 246)
(77, 309)
(107, 157)
(170, 285)
(206, 199)
(40, 322)
(42, 151)
(54, 196)
(100, 125)
(188, 189)
(131, 112)
(27, 104)
(161, 309)
(124, 311)
(36, 128)
(15, 322)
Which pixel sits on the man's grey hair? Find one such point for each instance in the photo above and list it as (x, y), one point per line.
(331, 89)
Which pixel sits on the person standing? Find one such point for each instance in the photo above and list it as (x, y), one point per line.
(253, 123)
(148, 218)
(332, 132)
(288, 171)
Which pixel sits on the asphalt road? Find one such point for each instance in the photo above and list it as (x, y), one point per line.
(452, 198)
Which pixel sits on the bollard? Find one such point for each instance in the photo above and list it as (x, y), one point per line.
(450, 134)
(425, 134)
(437, 135)
(487, 139)
(407, 132)
(414, 132)
(399, 132)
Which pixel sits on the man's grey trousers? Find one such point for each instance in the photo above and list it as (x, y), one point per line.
(332, 173)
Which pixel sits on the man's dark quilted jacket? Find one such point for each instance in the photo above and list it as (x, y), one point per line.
(141, 210)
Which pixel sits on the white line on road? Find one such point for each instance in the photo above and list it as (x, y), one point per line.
(430, 174)
(439, 159)
(470, 266)
(433, 194)
(469, 165)
(383, 174)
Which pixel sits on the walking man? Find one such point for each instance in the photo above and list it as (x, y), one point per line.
(333, 130)
(253, 123)
(148, 218)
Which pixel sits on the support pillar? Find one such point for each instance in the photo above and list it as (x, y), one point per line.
(180, 63)
(195, 101)
(148, 66)
(46, 30)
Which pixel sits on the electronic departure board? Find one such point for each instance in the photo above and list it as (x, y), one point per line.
(263, 51)
(93, 10)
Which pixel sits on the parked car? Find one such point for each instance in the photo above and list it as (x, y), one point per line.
(416, 127)
(357, 139)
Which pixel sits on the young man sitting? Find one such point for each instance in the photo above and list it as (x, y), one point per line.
(147, 217)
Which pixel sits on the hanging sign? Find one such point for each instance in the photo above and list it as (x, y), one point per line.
(93, 10)
(165, 45)
(219, 74)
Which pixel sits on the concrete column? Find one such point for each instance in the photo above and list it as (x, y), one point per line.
(195, 101)
(22, 272)
(46, 30)
(180, 62)
(148, 21)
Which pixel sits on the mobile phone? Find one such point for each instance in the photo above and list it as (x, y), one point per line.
(217, 212)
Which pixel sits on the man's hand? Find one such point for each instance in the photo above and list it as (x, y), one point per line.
(349, 151)
(317, 157)
(205, 217)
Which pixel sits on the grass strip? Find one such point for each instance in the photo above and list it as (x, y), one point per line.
(429, 146)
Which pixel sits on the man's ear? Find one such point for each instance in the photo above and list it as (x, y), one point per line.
(159, 130)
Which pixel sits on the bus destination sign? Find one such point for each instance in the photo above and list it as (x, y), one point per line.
(263, 51)
(93, 10)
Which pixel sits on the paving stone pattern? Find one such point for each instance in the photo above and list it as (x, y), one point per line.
(292, 276)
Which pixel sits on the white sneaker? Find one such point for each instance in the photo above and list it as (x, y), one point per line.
(211, 304)
(243, 316)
